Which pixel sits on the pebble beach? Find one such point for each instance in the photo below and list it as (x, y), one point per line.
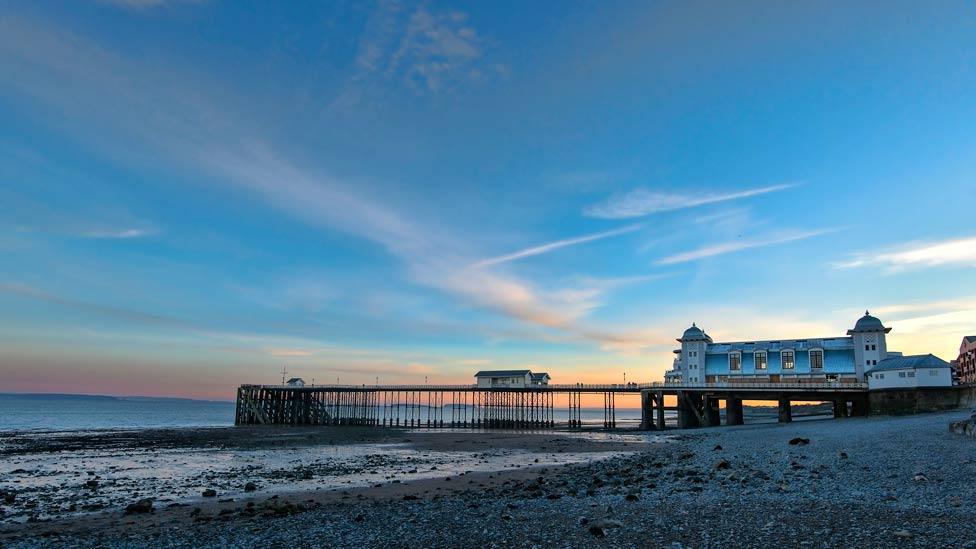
(878, 481)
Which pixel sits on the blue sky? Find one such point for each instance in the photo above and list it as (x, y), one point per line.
(195, 193)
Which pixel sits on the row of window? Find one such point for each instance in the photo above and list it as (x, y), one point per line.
(906, 374)
(787, 359)
(870, 347)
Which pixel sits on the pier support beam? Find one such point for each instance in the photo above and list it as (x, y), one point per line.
(689, 410)
(733, 411)
(712, 417)
(840, 409)
(860, 407)
(660, 410)
(647, 411)
(785, 412)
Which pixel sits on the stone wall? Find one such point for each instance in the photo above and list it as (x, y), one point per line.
(922, 399)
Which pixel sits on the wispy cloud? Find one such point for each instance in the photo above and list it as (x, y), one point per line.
(118, 234)
(961, 303)
(145, 4)
(546, 248)
(289, 353)
(429, 52)
(957, 252)
(109, 311)
(739, 245)
(171, 114)
(642, 201)
(435, 49)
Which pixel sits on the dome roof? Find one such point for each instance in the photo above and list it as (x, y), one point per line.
(868, 323)
(693, 333)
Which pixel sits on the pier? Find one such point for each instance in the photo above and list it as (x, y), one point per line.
(530, 408)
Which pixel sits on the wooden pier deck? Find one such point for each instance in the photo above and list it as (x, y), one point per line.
(532, 407)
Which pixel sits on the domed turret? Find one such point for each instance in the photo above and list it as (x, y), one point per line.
(870, 346)
(693, 333)
(868, 323)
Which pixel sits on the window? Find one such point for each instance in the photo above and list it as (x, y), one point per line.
(933, 372)
(788, 360)
(901, 374)
(760, 360)
(911, 374)
(816, 359)
(735, 362)
(880, 376)
(867, 347)
(874, 347)
(874, 363)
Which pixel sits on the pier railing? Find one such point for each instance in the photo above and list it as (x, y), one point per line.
(597, 387)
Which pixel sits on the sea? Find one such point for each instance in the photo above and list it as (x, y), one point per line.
(53, 412)
(59, 412)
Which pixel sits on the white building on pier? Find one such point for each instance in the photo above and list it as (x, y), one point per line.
(843, 358)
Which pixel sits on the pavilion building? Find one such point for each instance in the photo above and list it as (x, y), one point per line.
(844, 359)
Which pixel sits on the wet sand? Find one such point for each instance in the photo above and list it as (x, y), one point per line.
(57, 482)
(856, 482)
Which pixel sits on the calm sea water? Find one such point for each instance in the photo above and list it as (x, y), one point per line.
(79, 412)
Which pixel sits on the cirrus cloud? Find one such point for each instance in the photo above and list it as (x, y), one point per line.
(641, 202)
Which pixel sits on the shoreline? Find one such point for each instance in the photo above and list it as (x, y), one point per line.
(883, 481)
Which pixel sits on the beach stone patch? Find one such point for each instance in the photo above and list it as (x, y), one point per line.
(140, 507)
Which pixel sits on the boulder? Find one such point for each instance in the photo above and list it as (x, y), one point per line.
(209, 493)
(250, 487)
(140, 507)
(799, 441)
(966, 427)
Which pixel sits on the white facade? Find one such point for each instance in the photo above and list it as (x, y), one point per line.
(295, 382)
(909, 378)
(540, 379)
(504, 378)
(910, 372)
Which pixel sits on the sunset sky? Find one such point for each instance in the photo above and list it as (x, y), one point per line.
(194, 194)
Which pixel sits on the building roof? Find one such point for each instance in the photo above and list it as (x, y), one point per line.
(502, 373)
(295, 380)
(910, 362)
(868, 323)
(970, 339)
(541, 375)
(695, 333)
(799, 345)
